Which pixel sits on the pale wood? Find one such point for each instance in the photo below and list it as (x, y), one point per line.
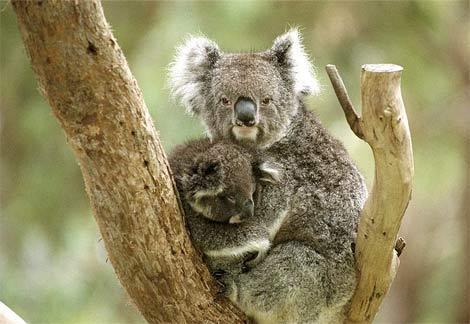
(384, 126)
(83, 74)
(350, 113)
(7, 316)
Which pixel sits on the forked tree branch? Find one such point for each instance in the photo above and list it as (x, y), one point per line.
(84, 75)
(384, 126)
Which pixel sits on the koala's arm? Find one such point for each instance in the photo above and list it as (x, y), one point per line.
(227, 240)
(323, 285)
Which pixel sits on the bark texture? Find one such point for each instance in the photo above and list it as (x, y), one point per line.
(384, 126)
(83, 74)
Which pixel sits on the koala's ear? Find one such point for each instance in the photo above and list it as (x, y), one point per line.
(188, 71)
(269, 172)
(209, 168)
(289, 52)
(207, 178)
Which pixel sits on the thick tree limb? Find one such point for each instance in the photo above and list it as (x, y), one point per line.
(384, 126)
(83, 74)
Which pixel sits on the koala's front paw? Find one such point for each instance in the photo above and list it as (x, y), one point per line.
(226, 285)
(221, 291)
(221, 286)
(219, 278)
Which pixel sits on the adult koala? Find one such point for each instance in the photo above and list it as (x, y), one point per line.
(257, 99)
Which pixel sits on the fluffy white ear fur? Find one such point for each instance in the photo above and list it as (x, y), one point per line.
(192, 61)
(290, 49)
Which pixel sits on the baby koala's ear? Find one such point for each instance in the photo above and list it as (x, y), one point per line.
(203, 166)
(209, 168)
(269, 172)
(204, 178)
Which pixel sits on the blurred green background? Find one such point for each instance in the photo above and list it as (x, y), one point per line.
(53, 267)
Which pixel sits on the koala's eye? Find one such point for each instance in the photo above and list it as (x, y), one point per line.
(225, 101)
(266, 101)
(231, 199)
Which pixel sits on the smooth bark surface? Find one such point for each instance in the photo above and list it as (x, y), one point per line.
(84, 76)
(384, 126)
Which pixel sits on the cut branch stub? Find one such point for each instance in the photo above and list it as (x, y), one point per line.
(384, 126)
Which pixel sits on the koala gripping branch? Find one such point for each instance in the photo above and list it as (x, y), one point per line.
(384, 126)
(84, 76)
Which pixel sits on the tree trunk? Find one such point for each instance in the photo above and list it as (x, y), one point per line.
(384, 126)
(84, 76)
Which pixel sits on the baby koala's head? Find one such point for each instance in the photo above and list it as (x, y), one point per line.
(220, 182)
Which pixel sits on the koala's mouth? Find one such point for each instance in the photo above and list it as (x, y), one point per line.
(245, 132)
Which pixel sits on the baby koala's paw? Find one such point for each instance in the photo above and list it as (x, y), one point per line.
(219, 278)
(226, 285)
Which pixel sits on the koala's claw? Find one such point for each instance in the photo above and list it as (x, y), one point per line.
(218, 274)
(221, 286)
(221, 290)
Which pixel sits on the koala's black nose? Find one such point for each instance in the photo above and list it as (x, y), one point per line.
(248, 208)
(245, 112)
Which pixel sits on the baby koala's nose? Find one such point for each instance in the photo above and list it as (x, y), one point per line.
(245, 112)
(248, 208)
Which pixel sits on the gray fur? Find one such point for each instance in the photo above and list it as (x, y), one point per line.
(311, 219)
(215, 180)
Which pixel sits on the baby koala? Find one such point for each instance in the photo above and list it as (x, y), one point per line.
(217, 182)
